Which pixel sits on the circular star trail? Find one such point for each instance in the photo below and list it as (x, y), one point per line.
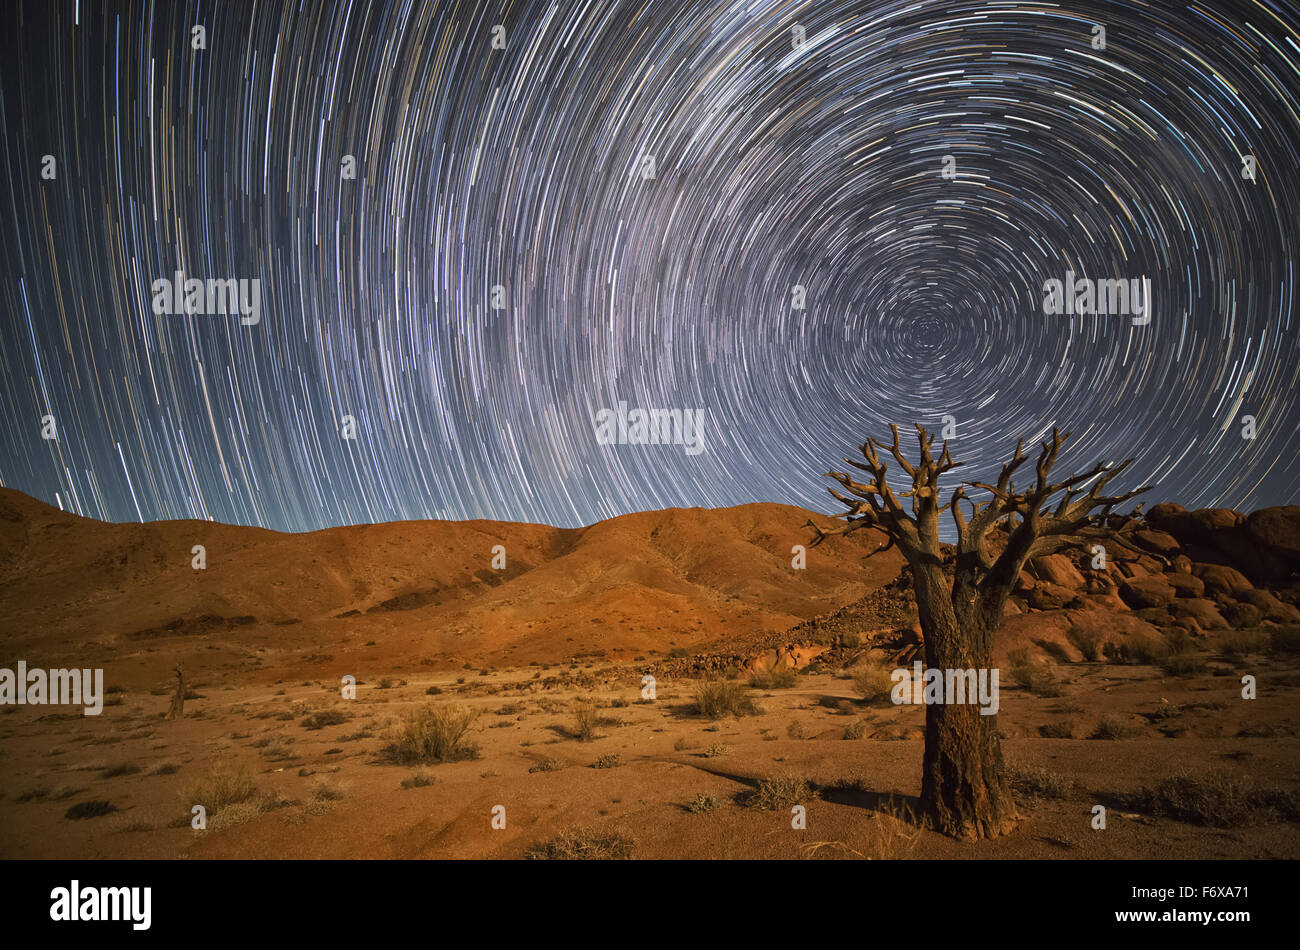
(474, 226)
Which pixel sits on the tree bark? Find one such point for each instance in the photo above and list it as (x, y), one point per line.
(962, 790)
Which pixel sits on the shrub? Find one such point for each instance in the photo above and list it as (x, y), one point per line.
(1038, 783)
(1240, 644)
(1057, 730)
(585, 719)
(326, 717)
(420, 778)
(715, 751)
(1139, 650)
(703, 803)
(89, 810)
(222, 787)
(774, 679)
(1286, 640)
(1218, 799)
(717, 698)
(610, 760)
(1179, 641)
(582, 844)
(855, 730)
(1087, 642)
(436, 733)
(1182, 665)
(546, 765)
(778, 793)
(1112, 727)
(873, 683)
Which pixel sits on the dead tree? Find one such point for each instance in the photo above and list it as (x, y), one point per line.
(177, 710)
(962, 789)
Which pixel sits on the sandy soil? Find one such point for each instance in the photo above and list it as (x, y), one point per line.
(331, 792)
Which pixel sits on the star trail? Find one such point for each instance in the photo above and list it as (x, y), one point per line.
(474, 226)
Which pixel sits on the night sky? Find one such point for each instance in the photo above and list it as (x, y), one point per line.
(526, 168)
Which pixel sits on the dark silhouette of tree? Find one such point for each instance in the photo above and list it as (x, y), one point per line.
(963, 792)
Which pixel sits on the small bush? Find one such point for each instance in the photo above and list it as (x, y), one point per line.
(1038, 783)
(1112, 727)
(714, 751)
(855, 730)
(778, 793)
(326, 717)
(546, 765)
(586, 717)
(610, 760)
(774, 679)
(1218, 799)
(703, 803)
(1183, 665)
(582, 844)
(1064, 729)
(1087, 642)
(873, 683)
(717, 698)
(436, 733)
(1240, 644)
(1286, 640)
(89, 810)
(222, 787)
(420, 778)
(122, 768)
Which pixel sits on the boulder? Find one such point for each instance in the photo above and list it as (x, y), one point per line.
(1153, 615)
(1151, 591)
(1158, 542)
(1221, 579)
(1204, 612)
(1046, 596)
(1186, 584)
(1241, 614)
(1105, 600)
(1272, 608)
(1058, 569)
(1277, 529)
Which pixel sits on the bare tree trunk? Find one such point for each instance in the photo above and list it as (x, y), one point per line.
(177, 710)
(962, 791)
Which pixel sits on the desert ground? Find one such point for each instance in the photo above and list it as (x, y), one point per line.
(480, 691)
